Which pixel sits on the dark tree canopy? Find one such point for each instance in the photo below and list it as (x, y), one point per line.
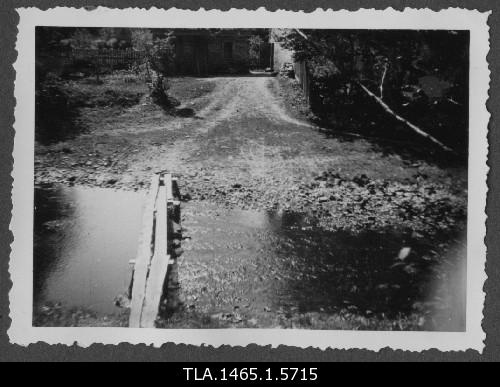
(421, 74)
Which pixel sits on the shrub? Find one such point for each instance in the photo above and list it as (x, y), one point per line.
(421, 75)
(56, 110)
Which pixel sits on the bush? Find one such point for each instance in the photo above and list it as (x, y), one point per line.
(421, 75)
(56, 110)
(158, 65)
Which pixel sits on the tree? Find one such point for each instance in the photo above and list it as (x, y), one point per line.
(159, 60)
(115, 37)
(82, 38)
(142, 39)
(418, 74)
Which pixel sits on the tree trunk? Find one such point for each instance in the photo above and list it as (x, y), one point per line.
(405, 121)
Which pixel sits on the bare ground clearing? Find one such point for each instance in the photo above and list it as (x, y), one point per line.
(242, 148)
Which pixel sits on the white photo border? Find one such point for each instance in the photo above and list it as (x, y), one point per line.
(21, 260)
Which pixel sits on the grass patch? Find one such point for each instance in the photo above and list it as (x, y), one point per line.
(67, 108)
(59, 103)
(56, 315)
(291, 93)
(113, 90)
(186, 88)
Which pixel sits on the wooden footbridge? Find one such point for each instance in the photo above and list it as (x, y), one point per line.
(154, 284)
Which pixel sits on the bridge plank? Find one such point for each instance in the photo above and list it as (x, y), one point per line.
(160, 261)
(144, 254)
(168, 185)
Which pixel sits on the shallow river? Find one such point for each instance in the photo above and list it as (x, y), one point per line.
(84, 239)
(250, 264)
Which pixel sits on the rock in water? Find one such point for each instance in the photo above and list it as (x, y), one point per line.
(404, 253)
(122, 301)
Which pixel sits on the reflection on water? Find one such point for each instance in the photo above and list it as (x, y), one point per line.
(300, 264)
(84, 239)
(283, 263)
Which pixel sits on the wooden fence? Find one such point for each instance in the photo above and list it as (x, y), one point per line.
(303, 77)
(101, 57)
(110, 57)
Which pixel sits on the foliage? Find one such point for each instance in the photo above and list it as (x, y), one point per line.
(62, 105)
(114, 38)
(99, 38)
(57, 38)
(420, 74)
(160, 58)
(142, 38)
(82, 38)
(56, 110)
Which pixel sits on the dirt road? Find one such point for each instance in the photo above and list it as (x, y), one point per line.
(242, 149)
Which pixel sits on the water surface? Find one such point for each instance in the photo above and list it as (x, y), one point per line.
(84, 239)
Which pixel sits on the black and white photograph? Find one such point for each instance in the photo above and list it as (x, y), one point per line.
(228, 179)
